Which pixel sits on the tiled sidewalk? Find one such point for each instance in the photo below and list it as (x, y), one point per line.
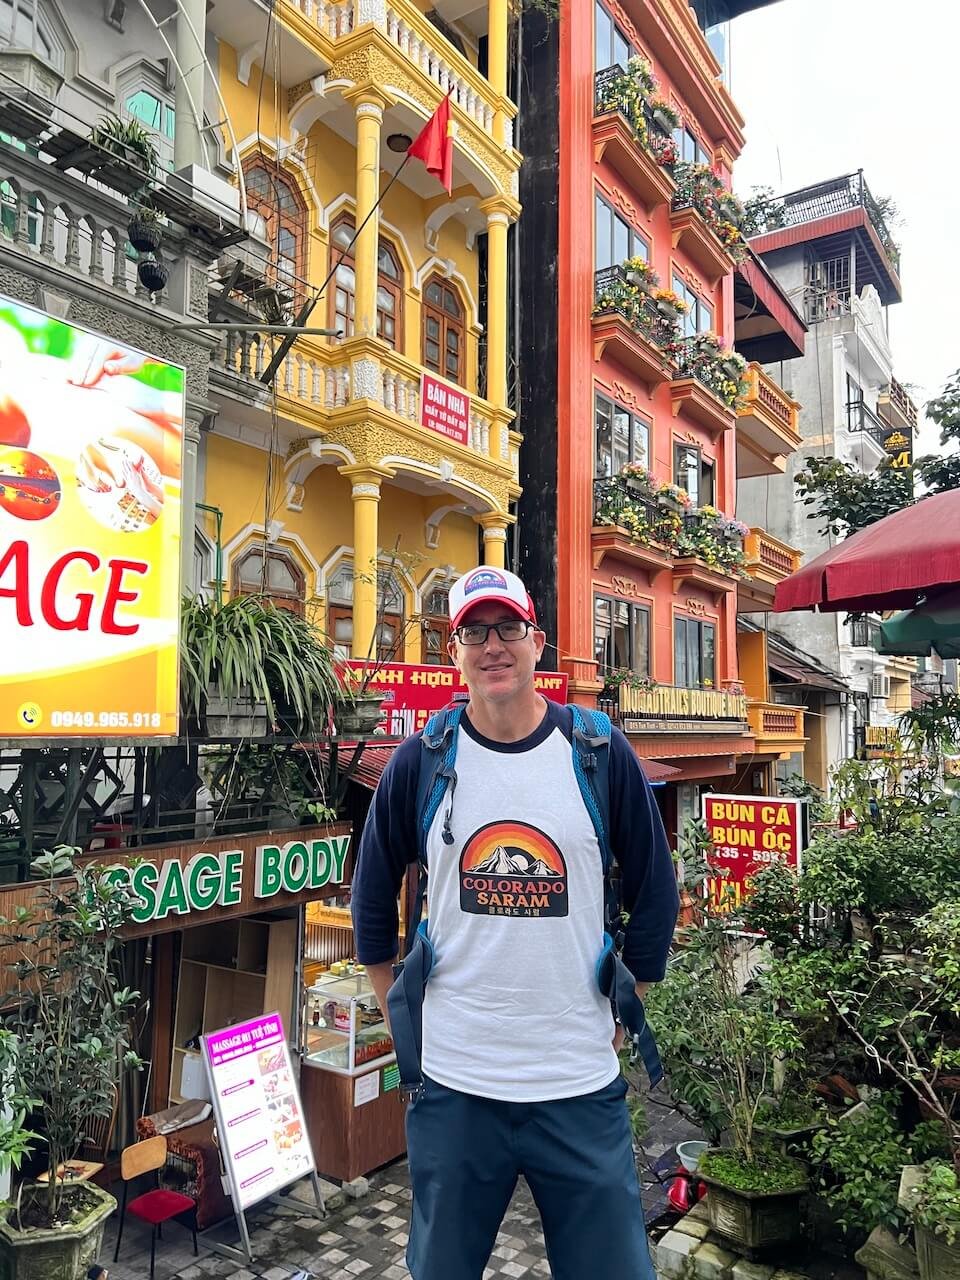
(366, 1237)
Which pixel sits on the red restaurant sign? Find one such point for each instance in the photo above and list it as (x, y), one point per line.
(748, 832)
(413, 693)
(444, 409)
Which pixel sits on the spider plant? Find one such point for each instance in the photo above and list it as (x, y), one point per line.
(128, 140)
(252, 648)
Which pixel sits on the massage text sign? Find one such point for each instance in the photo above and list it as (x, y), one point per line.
(91, 441)
(444, 409)
(262, 1132)
(748, 833)
(411, 693)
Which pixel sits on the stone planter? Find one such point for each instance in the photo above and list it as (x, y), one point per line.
(937, 1259)
(241, 717)
(32, 73)
(755, 1221)
(359, 716)
(61, 1253)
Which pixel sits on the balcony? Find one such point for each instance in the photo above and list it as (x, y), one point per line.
(706, 384)
(767, 426)
(636, 152)
(896, 408)
(351, 389)
(390, 43)
(828, 216)
(628, 327)
(865, 426)
(627, 525)
(777, 728)
(768, 561)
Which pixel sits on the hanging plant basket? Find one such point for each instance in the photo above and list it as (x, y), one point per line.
(144, 234)
(152, 274)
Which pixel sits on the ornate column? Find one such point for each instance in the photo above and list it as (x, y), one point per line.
(365, 493)
(369, 103)
(499, 211)
(494, 528)
(497, 49)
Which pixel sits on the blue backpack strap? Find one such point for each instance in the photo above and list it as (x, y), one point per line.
(591, 764)
(437, 773)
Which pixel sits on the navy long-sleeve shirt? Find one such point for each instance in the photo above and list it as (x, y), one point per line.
(648, 880)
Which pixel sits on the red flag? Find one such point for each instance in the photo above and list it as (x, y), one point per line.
(434, 145)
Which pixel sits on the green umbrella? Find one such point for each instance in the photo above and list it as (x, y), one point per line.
(932, 627)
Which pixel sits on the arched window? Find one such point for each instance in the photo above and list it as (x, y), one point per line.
(25, 24)
(443, 330)
(273, 573)
(389, 286)
(276, 199)
(390, 609)
(436, 625)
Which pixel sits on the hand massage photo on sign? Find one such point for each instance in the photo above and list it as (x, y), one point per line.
(91, 436)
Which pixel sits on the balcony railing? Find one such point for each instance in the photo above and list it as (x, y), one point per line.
(609, 95)
(895, 398)
(862, 419)
(615, 503)
(613, 292)
(836, 196)
(323, 380)
(775, 720)
(777, 406)
(769, 555)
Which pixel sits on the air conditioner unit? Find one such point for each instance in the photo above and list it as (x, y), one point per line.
(880, 686)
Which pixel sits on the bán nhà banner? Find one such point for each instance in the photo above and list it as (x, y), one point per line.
(91, 438)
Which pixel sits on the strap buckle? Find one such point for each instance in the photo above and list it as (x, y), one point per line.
(411, 1093)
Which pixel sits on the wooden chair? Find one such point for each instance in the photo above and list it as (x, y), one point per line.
(93, 1153)
(157, 1206)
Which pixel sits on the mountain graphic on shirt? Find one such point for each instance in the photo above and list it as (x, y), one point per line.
(513, 862)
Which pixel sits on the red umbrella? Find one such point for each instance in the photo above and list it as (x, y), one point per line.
(888, 565)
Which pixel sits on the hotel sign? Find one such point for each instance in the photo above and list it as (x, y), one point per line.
(668, 709)
(898, 445)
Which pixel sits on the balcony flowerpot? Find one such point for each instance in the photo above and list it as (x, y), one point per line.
(56, 1253)
(144, 234)
(666, 309)
(664, 121)
(153, 274)
(360, 715)
(755, 1221)
(242, 717)
(936, 1259)
(670, 504)
(732, 369)
(638, 280)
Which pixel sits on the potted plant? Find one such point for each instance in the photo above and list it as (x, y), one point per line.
(670, 305)
(246, 662)
(674, 498)
(641, 275)
(722, 1044)
(143, 229)
(640, 479)
(152, 273)
(71, 1017)
(127, 140)
(665, 114)
(936, 1222)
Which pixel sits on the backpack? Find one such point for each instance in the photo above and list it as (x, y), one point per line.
(436, 778)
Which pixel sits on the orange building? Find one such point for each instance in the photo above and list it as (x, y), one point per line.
(629, 386)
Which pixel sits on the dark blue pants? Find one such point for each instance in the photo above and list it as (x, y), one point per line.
(576, 1154)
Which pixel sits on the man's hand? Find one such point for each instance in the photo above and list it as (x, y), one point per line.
(618, 1035)
(381, 979)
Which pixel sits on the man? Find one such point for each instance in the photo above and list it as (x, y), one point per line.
(519, 1046)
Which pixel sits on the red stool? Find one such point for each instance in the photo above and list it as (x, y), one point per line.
(155, 1207)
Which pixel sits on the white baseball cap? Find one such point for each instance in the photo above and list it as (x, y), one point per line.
(488, 583)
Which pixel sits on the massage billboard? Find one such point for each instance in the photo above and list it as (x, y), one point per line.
(91, 443)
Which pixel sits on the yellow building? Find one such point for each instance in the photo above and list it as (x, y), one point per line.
(328, 482)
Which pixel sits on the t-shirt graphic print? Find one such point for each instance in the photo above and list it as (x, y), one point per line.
(512, 869)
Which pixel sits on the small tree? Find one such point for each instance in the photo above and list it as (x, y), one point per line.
(69, 1014)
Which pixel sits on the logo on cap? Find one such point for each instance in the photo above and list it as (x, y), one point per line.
(485, 580)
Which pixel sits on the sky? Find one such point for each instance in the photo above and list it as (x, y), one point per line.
(828, 87)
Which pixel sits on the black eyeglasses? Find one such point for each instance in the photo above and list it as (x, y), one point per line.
(510, 630)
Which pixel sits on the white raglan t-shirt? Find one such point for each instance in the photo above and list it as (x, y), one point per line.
(512, 1010)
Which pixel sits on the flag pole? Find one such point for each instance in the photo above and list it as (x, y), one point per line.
(306, 310)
